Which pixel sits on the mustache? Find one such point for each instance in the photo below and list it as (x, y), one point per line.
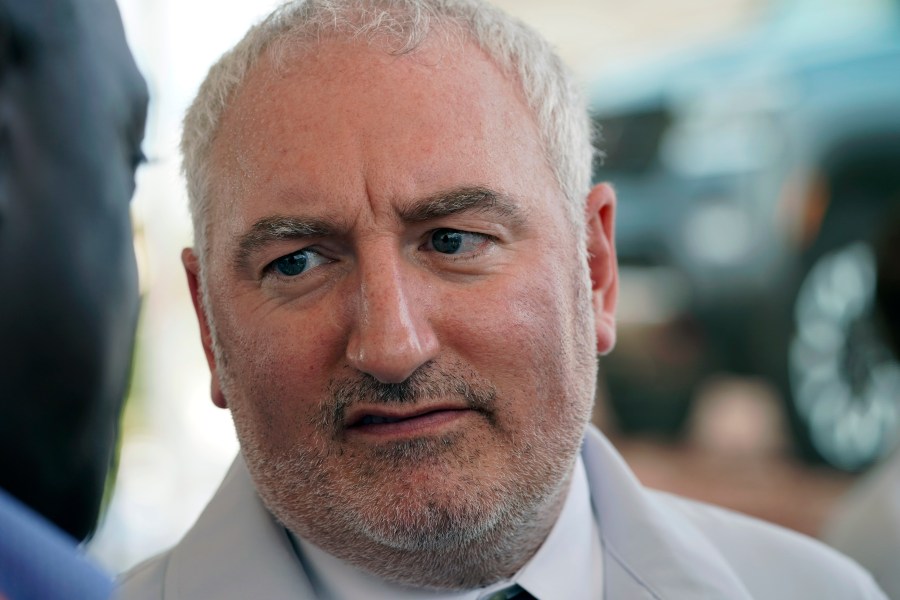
(427, 382)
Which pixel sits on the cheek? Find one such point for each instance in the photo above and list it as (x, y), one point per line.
(296, 340)
(517, 331)
(276, 362)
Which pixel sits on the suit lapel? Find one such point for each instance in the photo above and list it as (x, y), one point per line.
(236, 550)
(650, 550)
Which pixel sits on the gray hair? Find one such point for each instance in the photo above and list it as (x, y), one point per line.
(549, 89)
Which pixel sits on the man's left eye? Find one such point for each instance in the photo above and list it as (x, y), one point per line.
(452, 241)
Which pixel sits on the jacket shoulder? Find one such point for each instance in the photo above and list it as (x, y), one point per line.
(774, 562)
(144, 581)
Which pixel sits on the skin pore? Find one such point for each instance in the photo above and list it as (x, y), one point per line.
(404, 323)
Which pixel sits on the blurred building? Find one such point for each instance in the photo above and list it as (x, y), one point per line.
(755, 176)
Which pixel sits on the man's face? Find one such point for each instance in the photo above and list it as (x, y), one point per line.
(72, 108)
(403, 319)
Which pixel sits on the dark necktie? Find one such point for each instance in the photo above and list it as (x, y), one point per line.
(511, 593)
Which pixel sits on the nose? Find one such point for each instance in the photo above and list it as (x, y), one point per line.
(391, 336)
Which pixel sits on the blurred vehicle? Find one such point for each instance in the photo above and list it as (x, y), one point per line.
(753, 177)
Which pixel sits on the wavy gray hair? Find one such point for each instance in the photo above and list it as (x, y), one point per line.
(400, 25)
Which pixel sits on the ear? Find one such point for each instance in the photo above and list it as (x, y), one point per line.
(192, 270)
(600, 212)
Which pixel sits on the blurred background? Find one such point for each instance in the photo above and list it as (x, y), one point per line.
(755, 148)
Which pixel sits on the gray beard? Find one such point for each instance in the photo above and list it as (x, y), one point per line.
(432, 546)
(454, 539)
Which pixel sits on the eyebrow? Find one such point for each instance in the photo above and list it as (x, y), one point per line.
(280, 228)
(469, 199)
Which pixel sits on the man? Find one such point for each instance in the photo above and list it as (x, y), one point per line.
(402, 278)
(72, 109)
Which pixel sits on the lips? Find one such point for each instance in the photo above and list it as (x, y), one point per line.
(383, 416)
(376, 420)
(404, 421)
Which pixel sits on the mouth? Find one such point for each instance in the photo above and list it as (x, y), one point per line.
(377, 420)
(382, 421)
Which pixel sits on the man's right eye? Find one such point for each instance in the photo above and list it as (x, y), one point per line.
(296, 263)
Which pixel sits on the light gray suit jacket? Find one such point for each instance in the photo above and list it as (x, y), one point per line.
(655, 546)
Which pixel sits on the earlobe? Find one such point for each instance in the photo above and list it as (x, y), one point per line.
(215, 391)
(600, 212)
(192, 270)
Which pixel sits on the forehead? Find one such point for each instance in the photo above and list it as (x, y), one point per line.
(348, 122)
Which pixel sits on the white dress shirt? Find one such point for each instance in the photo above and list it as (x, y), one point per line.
(567, 566)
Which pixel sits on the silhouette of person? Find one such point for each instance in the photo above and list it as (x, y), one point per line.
(72, 111)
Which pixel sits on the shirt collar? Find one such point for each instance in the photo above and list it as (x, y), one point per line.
(568, 565)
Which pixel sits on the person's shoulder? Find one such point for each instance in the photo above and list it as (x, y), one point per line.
(774, 562)
(38, 560)
(144, 581)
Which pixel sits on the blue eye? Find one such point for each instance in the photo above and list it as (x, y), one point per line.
(297, 263)
(292, 264)
(453, 242)
(447, 241)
